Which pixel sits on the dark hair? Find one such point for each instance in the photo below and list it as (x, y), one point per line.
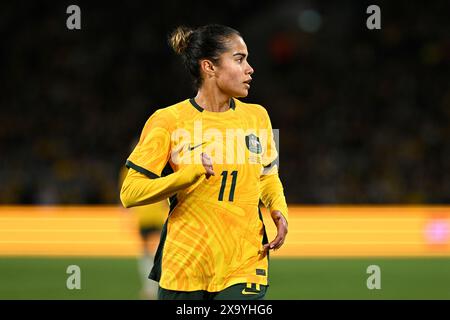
(207, 42)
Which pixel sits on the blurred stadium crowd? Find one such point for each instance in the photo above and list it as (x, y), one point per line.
(363, 115)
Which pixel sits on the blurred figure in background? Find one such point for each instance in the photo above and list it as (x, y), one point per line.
(150, 219)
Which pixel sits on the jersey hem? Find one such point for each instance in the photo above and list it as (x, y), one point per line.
(217, 288)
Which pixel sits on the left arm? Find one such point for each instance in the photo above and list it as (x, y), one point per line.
(272, 197)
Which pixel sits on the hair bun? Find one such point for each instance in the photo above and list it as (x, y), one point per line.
(179, 39)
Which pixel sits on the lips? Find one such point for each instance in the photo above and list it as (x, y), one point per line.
(247, 83)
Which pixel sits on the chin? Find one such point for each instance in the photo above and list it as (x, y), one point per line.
(241, 94)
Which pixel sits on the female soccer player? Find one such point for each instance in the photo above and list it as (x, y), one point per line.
(223, 158)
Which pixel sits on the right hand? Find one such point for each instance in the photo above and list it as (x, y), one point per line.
(207, 164)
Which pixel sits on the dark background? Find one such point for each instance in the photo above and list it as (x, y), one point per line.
(363, 114)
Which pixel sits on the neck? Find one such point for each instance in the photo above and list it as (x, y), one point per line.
(212, 100)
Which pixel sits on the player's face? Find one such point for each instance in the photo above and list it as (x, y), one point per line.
(233, 74)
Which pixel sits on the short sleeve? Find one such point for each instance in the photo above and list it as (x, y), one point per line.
(152, 152)
(270, 153)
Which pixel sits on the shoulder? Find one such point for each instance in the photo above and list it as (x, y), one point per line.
(252, 108)
(166, 117)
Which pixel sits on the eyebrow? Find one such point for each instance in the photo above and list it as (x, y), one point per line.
(240, 54)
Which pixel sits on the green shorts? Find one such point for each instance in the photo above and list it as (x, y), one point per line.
(240, 291)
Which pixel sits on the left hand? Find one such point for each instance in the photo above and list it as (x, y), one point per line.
(282, 230)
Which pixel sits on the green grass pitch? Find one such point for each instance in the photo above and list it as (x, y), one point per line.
(293, 279)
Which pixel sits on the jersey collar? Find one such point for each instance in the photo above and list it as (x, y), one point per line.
(196, 105)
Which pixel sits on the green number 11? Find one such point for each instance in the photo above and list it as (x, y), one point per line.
(224, 175)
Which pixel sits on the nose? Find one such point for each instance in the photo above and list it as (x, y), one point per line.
(250, 70)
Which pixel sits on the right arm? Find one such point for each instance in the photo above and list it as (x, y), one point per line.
(143, 183)
(138, 189)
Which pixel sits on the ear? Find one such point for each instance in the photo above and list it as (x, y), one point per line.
(207, 67)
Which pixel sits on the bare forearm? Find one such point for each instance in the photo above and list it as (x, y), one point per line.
(272, 194)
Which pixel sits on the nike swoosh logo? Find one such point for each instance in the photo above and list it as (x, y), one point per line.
(192, 148)
(244, 291)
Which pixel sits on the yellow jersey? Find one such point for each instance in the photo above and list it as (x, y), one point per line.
(214, 234)
(151, 215)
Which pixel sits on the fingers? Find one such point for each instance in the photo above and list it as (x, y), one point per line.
(276, 243)
(205, 158)
(209, 173)
(207, 164)
(273, 245)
